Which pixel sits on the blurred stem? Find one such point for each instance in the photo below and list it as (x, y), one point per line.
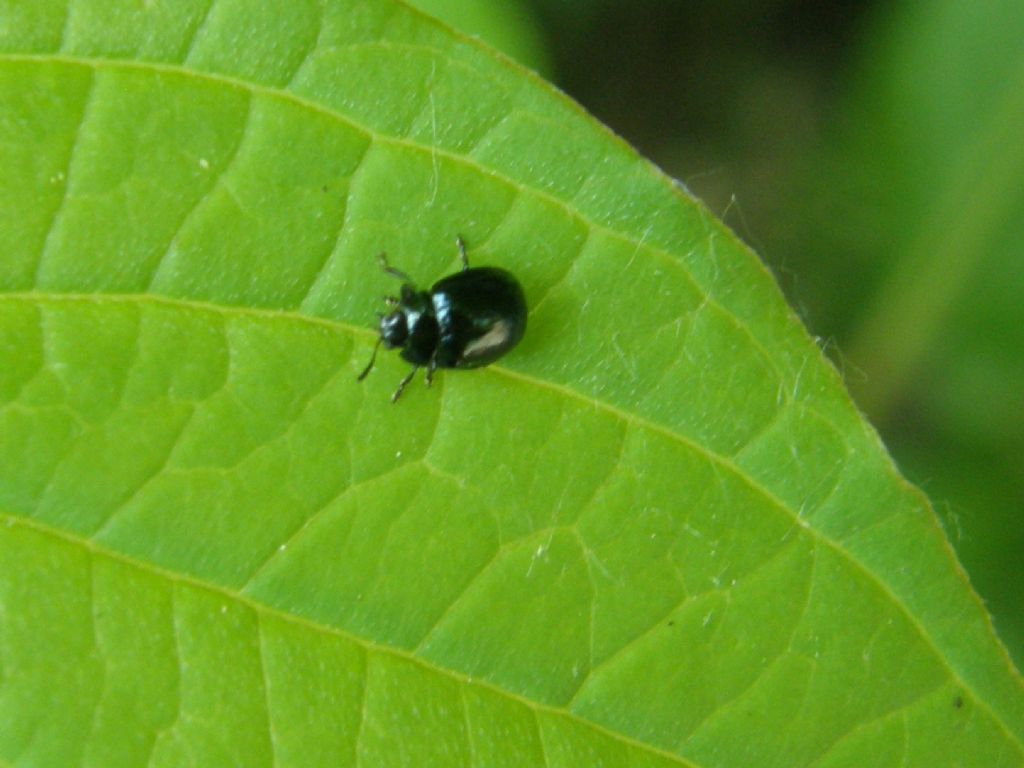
(905, 319)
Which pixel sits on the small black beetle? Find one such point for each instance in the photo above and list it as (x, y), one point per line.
(465, 320)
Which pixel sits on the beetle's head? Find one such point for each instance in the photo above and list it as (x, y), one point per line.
(394, 329)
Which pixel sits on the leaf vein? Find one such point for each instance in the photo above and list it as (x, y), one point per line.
(459, 159)
(197, 32)
(202, 200)
(859, 727)
(331, 251)
(87, 107)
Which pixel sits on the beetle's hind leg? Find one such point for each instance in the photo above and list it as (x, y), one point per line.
(462, 252)
(431, 367)
(403, 384)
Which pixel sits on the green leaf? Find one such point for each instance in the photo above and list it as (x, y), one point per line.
(508, 27)
(657, 533)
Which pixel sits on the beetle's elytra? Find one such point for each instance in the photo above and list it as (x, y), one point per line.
(465, 320)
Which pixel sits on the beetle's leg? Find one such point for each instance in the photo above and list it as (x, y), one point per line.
(431, 367)
(392, 301)
(462, 252)
(373, 358)
(403, 383)
(393, 271)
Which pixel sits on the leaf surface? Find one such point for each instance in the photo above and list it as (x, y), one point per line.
(657, 533)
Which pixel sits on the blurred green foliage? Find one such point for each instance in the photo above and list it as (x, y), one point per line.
(873, 154)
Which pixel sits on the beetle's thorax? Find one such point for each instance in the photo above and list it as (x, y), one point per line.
(396, 327)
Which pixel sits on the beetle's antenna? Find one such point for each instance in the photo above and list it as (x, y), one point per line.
(393, 271)
(402, 384)
(462, 252)
(373, 359)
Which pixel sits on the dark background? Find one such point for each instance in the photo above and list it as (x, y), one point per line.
(872, 153)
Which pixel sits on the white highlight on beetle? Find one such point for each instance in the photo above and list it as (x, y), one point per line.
(495, 337)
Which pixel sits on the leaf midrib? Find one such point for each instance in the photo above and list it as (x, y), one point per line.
(628, 418)
(668, 259)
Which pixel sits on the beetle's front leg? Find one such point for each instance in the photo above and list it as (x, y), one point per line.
(462, 252)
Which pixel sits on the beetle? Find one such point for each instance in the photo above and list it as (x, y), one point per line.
(466, 320)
